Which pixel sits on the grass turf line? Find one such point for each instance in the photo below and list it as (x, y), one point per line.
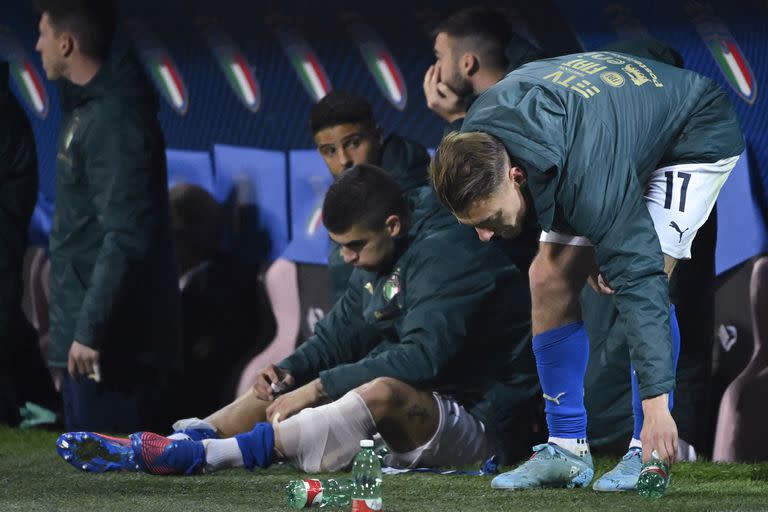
(33, 477)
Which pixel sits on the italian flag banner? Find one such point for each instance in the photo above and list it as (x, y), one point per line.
(305, 62)
(236, 69)
(380, 64)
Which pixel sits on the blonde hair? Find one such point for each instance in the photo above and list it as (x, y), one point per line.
(467, 167)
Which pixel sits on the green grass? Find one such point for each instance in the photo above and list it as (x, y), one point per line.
(33, 477)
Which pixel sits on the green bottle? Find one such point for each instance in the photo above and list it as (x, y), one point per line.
(314, 493)
(654, 478)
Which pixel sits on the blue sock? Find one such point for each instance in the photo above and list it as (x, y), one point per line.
(257, 446)
(561, 361)
(637, 405)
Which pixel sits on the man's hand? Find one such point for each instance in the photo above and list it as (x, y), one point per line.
(83, 360)
(291, 403)
(271, 381)
(659, 430)
(598, 283)
(440, 98)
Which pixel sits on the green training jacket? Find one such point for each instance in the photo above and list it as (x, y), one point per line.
(407, 162)
(114, 283)
(590, 128)
(451, 314)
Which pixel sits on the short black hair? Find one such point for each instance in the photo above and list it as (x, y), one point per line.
(487, 30)
(91, 22)
(340, 107)
(365, 195)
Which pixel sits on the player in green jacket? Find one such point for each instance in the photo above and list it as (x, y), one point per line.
(619, 160)
(115, 312)
(346, 133)
(429, 346)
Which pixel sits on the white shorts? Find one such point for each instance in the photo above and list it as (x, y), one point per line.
(460, 439)
(679, 199)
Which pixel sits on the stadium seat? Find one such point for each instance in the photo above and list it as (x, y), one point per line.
(252, 184)
(741, 230)
(190, 167)
(309, 179)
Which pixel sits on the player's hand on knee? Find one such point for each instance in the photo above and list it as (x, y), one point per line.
(285, 406)
(598, 283)
(272, 381)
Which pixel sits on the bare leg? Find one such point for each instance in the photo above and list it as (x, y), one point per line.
(558, 274)
(669, 265)
(405, 417)
(239, 416)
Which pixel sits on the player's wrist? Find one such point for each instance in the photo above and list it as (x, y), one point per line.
(656, 404)
(320, 393)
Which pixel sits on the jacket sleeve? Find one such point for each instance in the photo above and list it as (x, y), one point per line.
(630, 257)
(120, 159)
(441, 299)
(340, 337)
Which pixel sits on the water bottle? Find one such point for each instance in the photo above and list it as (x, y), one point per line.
(366, 475)
(314, 493)
(654, 477)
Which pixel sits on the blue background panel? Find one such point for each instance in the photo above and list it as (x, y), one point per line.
(190, 167)
(741, 231)
(252, 183)
(309, 179)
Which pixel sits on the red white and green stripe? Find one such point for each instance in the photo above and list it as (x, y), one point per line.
(242, 80)
(236, 68)
(306, 64)
(30, 85)
(312, 74)
(380, 63)
(734, 66)
(388, 77)
(315, 221)
(168, 79)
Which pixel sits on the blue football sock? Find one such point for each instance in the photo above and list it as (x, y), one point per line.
(637, 404)
(257, 446)
(561, 361)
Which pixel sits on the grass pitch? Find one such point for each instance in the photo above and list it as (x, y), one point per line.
(33, 477)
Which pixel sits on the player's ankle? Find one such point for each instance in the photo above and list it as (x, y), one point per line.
(576, 445)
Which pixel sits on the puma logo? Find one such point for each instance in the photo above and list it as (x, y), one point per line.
(556, 399)
(674, 226)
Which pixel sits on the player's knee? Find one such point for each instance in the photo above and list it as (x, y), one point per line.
(382, 395)
(546, 279)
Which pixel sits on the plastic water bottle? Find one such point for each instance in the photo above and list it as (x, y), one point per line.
(314, 493)
(366, 475)
(654, 478)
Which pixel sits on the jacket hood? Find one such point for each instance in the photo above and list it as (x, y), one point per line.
(121, 75)
(648, 49)
(519, 51)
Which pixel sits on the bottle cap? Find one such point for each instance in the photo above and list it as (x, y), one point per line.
(366, 443)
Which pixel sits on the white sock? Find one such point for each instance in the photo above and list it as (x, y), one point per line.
(635, 443)
(176, 436)
(577, 445)
(222, 454)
